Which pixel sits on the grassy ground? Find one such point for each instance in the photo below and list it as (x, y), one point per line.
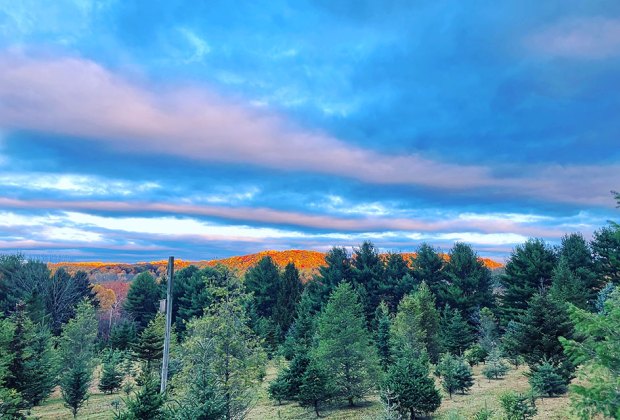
(484, 392)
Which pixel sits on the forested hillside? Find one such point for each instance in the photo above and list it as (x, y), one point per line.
(385, 336)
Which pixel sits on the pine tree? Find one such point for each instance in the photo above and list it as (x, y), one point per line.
(344, 345)
(383, 323)
(142, 300)
(84, 289)
(545, 380)
(597, 350)
(111, 374)
(77, 350)
(263, 280)
(428, 267)
(456, 333)
(368, 276)
(150, 345)
(412, 390)
(289, 293)
(315, 387)
(397, 281)
(529, 269)
(11, 402)
(580, 261)
(468, 281)
(416, 325)
(567, 287)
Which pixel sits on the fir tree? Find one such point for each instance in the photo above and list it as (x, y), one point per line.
(289, 293)
(494, 367)
(344, 345)
(77, 350)
(111, 375)
(567, 287)
(123, 335)
(487, 330)
(147, 403)
(142, 300)
(529, 269)
(190, 295)
(428, 267)
(456, 333)
(383, 324)
(455, 374)
(412, 390)
(368, 277)
(263, 280)
(397, 281)
(315, 387)
(468, 281)
(84, 289)
(606, 250)
(337, 269)
(580, 261)
(517, 406)
(299, 337)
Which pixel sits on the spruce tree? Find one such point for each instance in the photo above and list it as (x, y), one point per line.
(529, 268)
(289, 293)
(494, 367)
(368, 277)
(111, 375)
(150, 345)
(123, 335)
(428, 267)
(517, 406)
(416, 325)
(147, 403)
(606, 250)
(596, 349)
(142, 300)
(397, 281)
(11, 402)
(300, 335)
(383, 323)
(337, 269)
(84, 289)
(578, 255)
(344, 345)
(488, 336)
(456, 333)
(468, 281)
(567, 287)
(545, 380)
(315, 387)
(410, 388)
(190, 295)
(77, 344)
(263, 280)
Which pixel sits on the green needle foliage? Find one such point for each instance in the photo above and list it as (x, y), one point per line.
(546, 381)
(456, 374)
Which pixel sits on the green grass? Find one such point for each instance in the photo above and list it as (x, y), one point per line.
(484, 392)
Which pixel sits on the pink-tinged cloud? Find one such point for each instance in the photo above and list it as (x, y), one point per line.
(584, 38)
(278, 217)
(79, 98)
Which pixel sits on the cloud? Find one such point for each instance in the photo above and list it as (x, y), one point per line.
(578, 38)
(79, 98)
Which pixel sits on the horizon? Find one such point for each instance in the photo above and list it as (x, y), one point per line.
(130, 132)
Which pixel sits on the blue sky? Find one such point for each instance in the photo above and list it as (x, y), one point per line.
(134, 130)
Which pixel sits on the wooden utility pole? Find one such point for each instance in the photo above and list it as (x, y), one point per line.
(164, 365)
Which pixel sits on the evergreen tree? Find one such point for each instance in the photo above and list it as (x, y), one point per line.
(190, 295)
(11, 402)
(606, 250)
(111, 374)
(123, 335)
(494, 368)
(397, 281)
(77, 345)
(597, 349)
(428, 267)
(383, 324)
(368, 277)
(32, 370)
(603, 295)
(221, 346)
(475, 355)
(289, 293)
(488, 336)
(538, 332)
(416, 325)
(263, 280)
(456, 333)
(315, 387)
(150, 345)
(344, 345)
(61, 296)
(337, 269)
(299, 337)
(412, 390)
(456, 375)
(147, 403)
(529, 269)
(84, 289)
(468, 281)
(545, 380)
(567, 287)
(580, 261)
(517, 406)
(142, 301)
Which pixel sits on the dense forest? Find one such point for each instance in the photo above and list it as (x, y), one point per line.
(407, 330)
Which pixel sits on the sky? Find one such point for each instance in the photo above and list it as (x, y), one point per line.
(135, 130)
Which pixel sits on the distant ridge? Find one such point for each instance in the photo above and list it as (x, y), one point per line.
(307, 262)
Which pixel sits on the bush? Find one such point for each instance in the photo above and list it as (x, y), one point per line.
(517, 406)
